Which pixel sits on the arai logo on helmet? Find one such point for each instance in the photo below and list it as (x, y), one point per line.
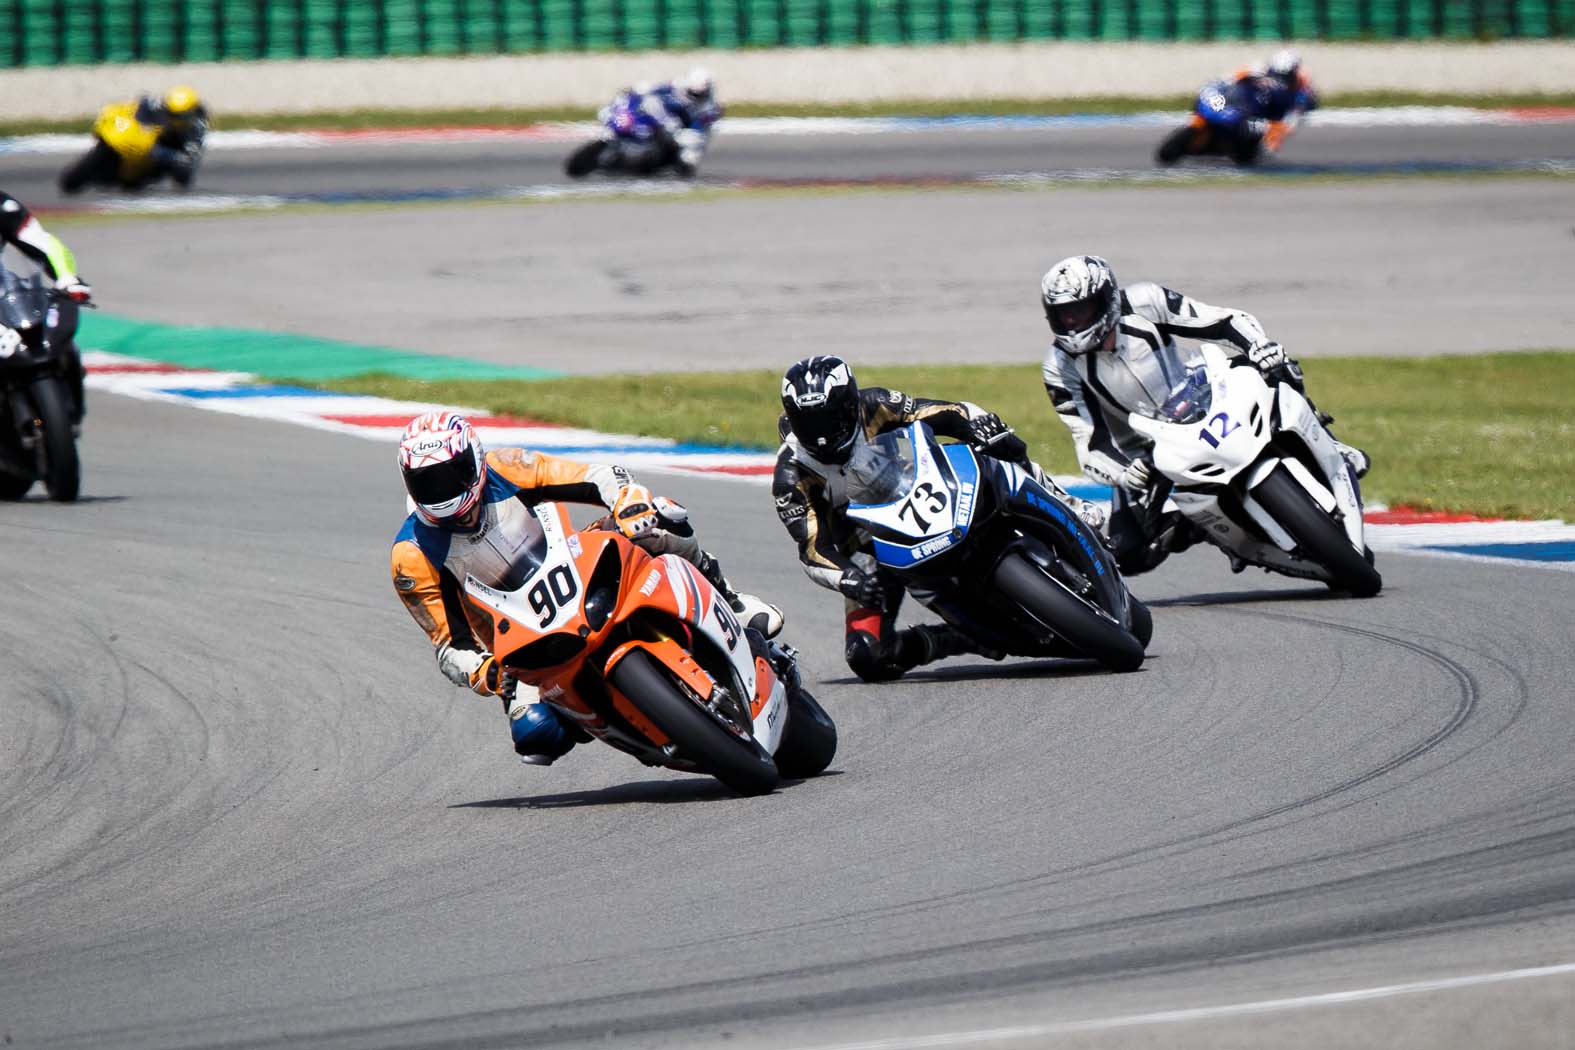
(429, 445)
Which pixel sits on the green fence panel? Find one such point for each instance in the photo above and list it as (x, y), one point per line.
(54, 32)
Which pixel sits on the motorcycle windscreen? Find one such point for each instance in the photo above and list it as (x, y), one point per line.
(20, 301)
(882, 470)
(1187, 402)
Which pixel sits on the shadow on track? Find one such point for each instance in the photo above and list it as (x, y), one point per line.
(1056, 669)
(658, 792)
(1320, 594)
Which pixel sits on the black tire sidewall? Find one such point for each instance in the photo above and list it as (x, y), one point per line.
(62, 468)
(742, 765)
(1320, 536)
(1066, 615)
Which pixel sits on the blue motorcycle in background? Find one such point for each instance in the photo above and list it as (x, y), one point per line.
(1241, 120)
(635, 142)
(1026, 574)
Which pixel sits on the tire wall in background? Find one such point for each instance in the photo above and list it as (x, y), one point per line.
(165, 31)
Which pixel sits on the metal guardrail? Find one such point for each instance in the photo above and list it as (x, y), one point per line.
(72, 32)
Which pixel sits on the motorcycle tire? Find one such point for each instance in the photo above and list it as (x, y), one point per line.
(584, 160)
(1142, 620)
(742, 765)
(60, 468)
(1085, 626)
(98, 164)
(1175, 146)
(1319, 536)
(810, 740)
(1246, 150)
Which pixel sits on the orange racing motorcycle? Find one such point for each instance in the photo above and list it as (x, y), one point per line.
(642, 653)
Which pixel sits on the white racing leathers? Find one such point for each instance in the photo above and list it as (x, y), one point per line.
(1094, 392)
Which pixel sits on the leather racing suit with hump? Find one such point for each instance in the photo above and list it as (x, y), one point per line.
(1093, 393)
(429, 565)
(811, 496)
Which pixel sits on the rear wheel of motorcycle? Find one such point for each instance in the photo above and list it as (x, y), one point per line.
(1070, 617)
(583, 161)
(1318, 535)
(91, 166)
(61, 470)
(742, 765)
(1174, 146)
(810, 741)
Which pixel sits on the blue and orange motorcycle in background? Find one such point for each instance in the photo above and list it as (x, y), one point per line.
(1241, 119)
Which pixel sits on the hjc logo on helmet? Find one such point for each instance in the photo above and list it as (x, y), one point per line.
(810, 399)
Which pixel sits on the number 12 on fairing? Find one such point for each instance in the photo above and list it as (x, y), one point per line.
(1226, 426)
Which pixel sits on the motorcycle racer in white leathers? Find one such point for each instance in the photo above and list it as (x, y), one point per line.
(683, 112)
(1115, 348)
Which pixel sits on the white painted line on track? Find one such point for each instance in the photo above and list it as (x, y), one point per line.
(1201, 1013)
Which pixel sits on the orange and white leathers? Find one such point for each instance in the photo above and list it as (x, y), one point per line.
(430, 563)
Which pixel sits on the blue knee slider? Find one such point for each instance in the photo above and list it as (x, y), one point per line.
(537, 730)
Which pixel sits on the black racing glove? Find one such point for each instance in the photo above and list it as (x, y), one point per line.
(862, 588)
(990, 434)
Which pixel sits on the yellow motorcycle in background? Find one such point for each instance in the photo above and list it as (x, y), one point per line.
(138, 141)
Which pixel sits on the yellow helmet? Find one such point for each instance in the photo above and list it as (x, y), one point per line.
(182, 102)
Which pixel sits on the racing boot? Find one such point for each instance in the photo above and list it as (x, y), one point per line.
(928, 643)
(753, 612)
(1359, 461)
(540, 736)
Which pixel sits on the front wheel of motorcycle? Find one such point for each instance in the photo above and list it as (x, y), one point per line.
(810, 741)
(741, 764)
(1174, 146)
(57, 447)
(1085, 626)
(1318, 535)
(584, 160)
(96, 165)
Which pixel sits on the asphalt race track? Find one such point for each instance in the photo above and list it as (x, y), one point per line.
(240, 808)
(939, 154)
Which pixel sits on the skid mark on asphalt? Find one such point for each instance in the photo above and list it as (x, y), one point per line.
(1203, 1013)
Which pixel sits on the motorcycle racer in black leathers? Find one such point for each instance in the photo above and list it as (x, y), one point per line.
(826, 416)
(20, 230)
(1116, 347)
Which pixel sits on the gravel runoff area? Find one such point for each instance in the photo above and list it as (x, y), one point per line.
(792, 75)
(1380, 267)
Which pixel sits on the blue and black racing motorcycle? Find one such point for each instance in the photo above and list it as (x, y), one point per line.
(1032, 577)
(1241, 120)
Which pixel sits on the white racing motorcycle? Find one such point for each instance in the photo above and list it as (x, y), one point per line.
(1254, 469)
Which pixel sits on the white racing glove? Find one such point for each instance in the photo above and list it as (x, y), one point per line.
(73, 288)
(1137, 476)
(469, 669)
(1267, 356)
(10, 341)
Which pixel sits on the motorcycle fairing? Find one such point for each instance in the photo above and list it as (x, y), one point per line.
(1256, 428)
(935, 510)
(551, 601)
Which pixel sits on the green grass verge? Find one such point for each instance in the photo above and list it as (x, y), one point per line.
(406, 118)
(1488, 434)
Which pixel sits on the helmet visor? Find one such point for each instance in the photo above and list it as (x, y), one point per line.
(827, 433)
(1071, 318)
(442, 482)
